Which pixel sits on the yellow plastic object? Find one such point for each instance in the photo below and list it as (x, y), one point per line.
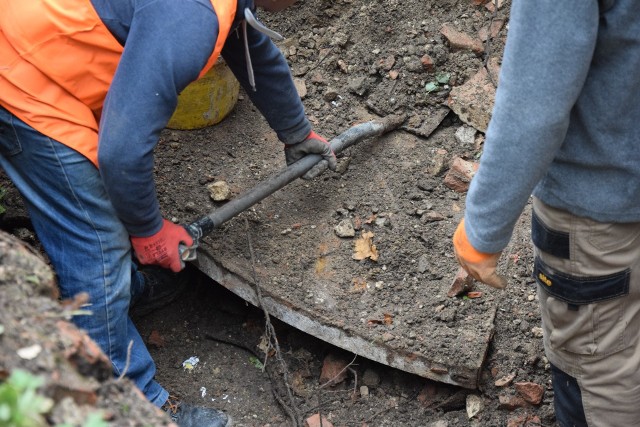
(206, 101)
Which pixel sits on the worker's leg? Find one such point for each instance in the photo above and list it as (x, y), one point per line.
(87, 244)
(567, 399)
(588, 277)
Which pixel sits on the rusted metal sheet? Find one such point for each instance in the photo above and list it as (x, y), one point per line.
(339, 335)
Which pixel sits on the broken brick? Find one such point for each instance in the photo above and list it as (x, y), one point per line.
(523, 420)
(427, 62)
(156, 340)
(460, 174)
(533, 421)
(511, 403)
(491, 31)
(461, 41)
(491, 5)
(387, 63)
(531, 392)
(333, 369)
(461, 283)
(314, 421)
(473, 101)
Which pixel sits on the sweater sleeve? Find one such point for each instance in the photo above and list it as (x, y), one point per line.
(275, 96)
(549, 50)
(167, 46)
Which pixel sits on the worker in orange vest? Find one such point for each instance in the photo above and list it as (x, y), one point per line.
(86, 87)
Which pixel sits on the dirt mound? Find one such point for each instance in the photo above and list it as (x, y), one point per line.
(51, 372)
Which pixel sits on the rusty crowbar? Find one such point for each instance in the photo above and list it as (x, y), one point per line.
(205, 225)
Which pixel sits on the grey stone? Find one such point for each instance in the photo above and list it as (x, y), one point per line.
(345, 229)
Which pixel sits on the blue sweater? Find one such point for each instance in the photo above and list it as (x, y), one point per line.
(565, 121)
(167, 43)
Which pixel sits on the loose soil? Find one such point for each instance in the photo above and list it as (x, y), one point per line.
(353, 61)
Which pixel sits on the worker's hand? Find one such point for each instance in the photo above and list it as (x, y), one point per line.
(312, 144)
(162, 248)
(481, 266)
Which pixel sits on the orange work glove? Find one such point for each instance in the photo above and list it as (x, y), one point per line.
(481, 266)
(162, 248)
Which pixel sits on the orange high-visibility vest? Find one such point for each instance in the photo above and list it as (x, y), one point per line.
(57, 61)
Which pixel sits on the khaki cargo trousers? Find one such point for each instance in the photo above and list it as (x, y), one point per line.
(588, 276)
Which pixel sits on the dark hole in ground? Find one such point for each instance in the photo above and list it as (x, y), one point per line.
(224, 332)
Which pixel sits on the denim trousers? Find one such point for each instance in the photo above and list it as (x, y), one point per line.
(87, 244)
(588, 276)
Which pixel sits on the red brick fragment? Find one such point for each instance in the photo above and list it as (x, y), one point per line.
(314, 421)
(531, 392)
(459, 40)
(333, 369)
(461, 283)
(460, 174)
(156, 340)
(524, 420)
(427, 62)
(511, 403)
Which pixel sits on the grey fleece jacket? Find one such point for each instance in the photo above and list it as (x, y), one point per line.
(565, 121)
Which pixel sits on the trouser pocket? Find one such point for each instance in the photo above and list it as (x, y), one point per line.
(585, 315)
(586, 280)
(9, 142)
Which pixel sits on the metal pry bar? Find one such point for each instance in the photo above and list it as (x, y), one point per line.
(351, 136)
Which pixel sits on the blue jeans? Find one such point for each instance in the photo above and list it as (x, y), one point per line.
(84, 239)
(567, 399)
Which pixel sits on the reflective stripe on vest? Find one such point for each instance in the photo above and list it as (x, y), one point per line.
(58, 94)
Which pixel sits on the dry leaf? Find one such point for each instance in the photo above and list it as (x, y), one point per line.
(365, 247)
(474, 294)
(321, 265)
(388, 319)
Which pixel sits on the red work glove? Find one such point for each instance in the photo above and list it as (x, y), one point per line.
(162, 248)
(312, 144)
(481, 266)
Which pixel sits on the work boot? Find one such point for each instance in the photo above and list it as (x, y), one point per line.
(186, 415)
(160, 287)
